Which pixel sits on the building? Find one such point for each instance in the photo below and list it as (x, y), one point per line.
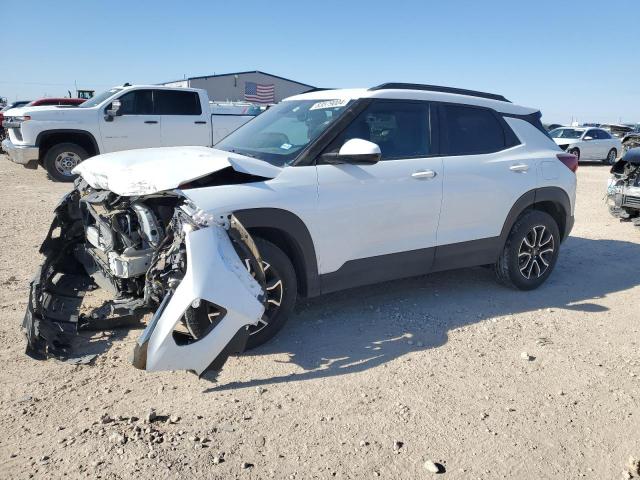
(253, 86)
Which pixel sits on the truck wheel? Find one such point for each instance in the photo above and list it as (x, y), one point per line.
(61, 159)
(530, 252)
(281, 289)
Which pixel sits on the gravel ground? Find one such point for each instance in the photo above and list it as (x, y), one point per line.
(373, 382)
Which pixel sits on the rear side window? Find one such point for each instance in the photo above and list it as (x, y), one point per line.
(170, 102)
(138, 102)
(471, 130)
(400, 129)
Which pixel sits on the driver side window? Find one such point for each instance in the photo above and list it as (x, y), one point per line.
(138, 102)
(400, 129)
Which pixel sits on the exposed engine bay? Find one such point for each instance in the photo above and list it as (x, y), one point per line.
(152, 253)
(623, 191)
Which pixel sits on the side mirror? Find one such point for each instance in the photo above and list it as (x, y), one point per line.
(113, 111)
(356, 151)
(587, 138)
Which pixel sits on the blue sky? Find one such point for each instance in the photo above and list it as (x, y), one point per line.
(568, 58)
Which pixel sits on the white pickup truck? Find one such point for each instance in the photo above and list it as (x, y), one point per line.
(122, 118)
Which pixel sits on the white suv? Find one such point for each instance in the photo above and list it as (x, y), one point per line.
(325, 191)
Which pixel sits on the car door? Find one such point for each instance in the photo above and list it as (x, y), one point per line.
(135, 125)
(486, 170)
(184, 120)
(590, 147)
(605, 143)
(366, 213)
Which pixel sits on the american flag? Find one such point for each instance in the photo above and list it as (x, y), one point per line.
(259, 93)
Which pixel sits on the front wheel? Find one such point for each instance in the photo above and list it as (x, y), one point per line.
(530, 252)
(576, 152)
(61, 159)
(281, 292)
(611, 156)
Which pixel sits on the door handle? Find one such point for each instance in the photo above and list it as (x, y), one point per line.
(200, 122)
(150, 122)
(423, 174)
(519, 167)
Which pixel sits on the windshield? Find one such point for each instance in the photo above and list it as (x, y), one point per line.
(278, 135)
(566, 133)
(98, 99)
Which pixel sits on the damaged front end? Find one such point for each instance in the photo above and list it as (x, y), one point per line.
(155, 252)
(623, 189)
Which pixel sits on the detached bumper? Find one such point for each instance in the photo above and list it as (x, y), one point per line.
(26, 155)
(214, 274)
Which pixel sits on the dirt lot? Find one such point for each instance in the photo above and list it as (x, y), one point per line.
(366, 383)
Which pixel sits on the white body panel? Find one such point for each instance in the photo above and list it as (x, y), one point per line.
(370, 210)
(128, 132)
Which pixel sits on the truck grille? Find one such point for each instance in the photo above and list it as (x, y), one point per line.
(631, 201)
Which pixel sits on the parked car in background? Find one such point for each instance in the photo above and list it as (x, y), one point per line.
(623, 192)
(222, 241)
(588, 143)
(8, 106)
(618, 131)
(631, 139)
(122, 118)
(56, 101)
(553, 126)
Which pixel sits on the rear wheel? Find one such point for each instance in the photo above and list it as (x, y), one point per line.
(611, 156)
(530, 252)
(61, 159)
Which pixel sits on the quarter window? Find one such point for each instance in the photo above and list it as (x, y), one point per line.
(400, 129)
(169, 102)
(471, 130)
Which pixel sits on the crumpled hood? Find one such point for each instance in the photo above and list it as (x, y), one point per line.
(152, 170)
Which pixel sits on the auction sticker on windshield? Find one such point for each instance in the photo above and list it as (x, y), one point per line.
(330, 104)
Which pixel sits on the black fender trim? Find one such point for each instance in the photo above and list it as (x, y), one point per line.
(42, 135)
(297, 236)
(554, 195)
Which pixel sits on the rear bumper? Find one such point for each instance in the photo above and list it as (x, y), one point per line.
(26, 155)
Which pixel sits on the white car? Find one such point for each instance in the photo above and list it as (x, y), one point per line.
(122, 118)
(588, 143)
(325, 191)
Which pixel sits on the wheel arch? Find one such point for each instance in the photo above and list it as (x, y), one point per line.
(289, 233)
(49, 138)
(551, 200)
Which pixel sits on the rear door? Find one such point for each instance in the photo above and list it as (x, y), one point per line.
(485, 172)
(185, 121)
(136, 126)
(591, 146)
(393, 206)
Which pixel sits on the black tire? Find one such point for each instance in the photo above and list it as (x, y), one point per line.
(274, 316)
(277, 266)
(576, 152)
(509, 267)
(59, 166)
(612, 156)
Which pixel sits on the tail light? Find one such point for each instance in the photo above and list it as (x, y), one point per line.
(571, 161)
(1, 117)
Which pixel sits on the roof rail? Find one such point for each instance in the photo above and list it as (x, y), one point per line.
(436, 88)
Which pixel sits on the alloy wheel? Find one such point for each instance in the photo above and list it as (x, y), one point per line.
(535, 252)
(612, 157)
(274, 289)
